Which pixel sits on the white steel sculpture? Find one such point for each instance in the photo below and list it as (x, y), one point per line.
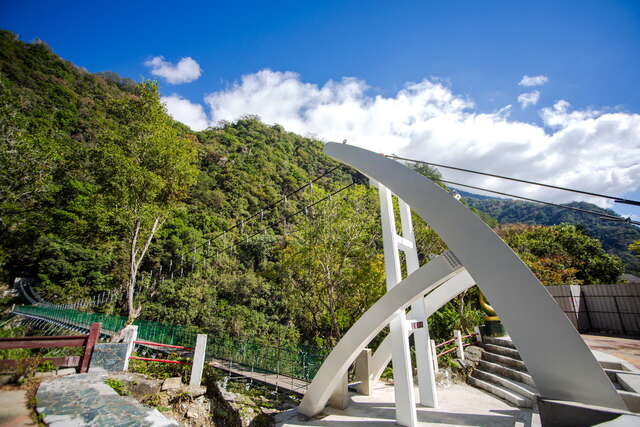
(560, 363)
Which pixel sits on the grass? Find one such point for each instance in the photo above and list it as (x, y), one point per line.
(117, 385)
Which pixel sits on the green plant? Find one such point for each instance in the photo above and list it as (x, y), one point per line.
(152, 400)
(46, 366)
(117, 385)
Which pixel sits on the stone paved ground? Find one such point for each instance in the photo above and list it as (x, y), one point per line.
(85, 400)
(627, 349)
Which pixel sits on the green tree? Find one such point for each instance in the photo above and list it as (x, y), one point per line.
(332, 264)
(562, 254)
(146, 168)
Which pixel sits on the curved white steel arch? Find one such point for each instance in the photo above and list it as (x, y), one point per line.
(372, 321)
(435, 299)
(559, 361)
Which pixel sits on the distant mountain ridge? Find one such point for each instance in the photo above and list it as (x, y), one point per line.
(615, 236)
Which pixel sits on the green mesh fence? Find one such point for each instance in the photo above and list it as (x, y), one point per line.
(295, 362)
(292, 362)
(147, 331)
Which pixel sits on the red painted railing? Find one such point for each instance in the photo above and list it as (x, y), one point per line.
(86, 341)
(157, 344)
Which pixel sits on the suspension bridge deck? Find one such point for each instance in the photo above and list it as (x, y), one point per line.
(279, 381)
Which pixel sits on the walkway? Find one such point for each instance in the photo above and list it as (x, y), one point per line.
(460, 405)
(293, 385)
(85, 400)
(13, 409)
(627, 349)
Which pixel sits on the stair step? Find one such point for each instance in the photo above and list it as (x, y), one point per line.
(508, 383)
(629, 381)
(502, 342)
(507, 372)
(496, 390)
(632, 400)
(504, 351)
(504, 360)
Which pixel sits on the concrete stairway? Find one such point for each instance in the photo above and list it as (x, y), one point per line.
(502, 373)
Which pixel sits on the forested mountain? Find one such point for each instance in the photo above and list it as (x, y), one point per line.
(101, 190)
(615, 236)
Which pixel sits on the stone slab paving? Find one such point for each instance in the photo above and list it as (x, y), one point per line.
(85, 400)
(627, 349)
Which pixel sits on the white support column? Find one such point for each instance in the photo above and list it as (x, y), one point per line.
(130, 335)
(424, 364)
(399, 331)
(198, 360)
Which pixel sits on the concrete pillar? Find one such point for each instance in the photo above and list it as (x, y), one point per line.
(340, 397)
(434, 354)
(459, 348)
(198, 360)
(363, 372)
(129, 336)
(476, 329)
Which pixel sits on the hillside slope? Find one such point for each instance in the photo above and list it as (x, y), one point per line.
(615, 236)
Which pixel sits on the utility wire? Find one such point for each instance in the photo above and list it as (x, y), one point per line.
(599, 214)
(588, 193)
(243, 222)
(304, 209)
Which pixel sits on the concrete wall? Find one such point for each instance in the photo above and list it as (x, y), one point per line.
(601, 308)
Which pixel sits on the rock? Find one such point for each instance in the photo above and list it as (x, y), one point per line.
(192, 412)
(444, 378)
(45, 374)
(196, 390)
(66, 371)
(5, 379)
(172, 383)
(473, 353)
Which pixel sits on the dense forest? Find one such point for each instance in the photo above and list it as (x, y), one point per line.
(101, 190)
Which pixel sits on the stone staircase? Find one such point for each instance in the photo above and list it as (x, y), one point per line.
(502, 373)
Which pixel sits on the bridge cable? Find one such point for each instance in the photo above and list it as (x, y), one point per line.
(588, 193)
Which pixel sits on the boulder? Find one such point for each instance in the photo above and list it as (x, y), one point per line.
(172, 383)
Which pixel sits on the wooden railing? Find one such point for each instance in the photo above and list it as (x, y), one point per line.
(86, 341)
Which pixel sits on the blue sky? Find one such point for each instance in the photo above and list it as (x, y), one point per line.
(476, 51)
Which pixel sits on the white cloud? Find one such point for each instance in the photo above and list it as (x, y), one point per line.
(533, 80)
(185, 71)
(582, 149)
(529, 98)
(185, 111)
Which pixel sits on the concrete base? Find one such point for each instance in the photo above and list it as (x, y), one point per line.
(459, 405)
(340, 397)
(557, 413)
